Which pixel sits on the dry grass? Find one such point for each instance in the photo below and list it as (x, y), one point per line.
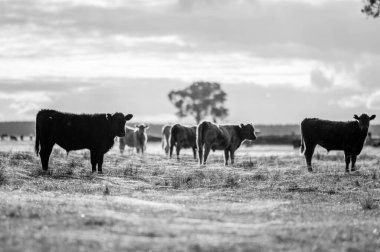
(152, 203)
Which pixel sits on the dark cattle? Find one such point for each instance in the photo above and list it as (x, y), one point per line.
(296, 143)
(22, 137)
(74, 132)
(165, 138)
(3, 136)
(134, 137)
(211, 136)
(182, 137)
(13, 138)
(331, 135)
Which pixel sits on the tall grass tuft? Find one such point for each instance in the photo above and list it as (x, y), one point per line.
(367, 202)
(3, 176)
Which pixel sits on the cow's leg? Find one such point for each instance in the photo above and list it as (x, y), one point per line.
(226, 157)
(94, 160)
(138, 150)
(353, 161)
(207, 151)
(178, 149)
(200, 154)
(100, 163)
(171, 150)
(347, 157)
(232, 154)
(308, 156)
(45, 152)
(121, 146)
(195, 153)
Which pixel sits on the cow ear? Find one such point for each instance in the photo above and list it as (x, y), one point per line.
(128, 117)
(108, 116)
(356, 117)
(372, 117)
(241, 125)
(136, 126)
(146, 126)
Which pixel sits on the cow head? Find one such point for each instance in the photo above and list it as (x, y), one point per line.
(364, 120)
(117, 122)
(141, 128)
(248, 131)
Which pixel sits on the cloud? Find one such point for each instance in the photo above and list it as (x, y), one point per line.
(319, 80)
(369, 101)
(368, 73)
(353, 101)
(374, 101)
(26, 103)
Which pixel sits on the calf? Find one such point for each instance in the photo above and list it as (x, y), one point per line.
(134, 137)
(165, 138)
(95, 132)
(331, 135)
(211, 136)
(182, 137)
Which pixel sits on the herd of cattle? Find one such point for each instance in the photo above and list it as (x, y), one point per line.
(97, 132)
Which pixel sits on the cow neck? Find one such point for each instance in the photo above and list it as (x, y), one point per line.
(362, 134)
(239, 133)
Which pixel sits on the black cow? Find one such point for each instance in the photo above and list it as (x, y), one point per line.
(182, 137)
(332, 135)
(95, 132)
(3, 136)
(13, 138)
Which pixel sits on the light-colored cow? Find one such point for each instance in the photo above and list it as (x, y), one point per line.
(211, 136)
(134, 138)
(165, 138)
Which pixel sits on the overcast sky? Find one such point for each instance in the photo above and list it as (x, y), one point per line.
(278, 61)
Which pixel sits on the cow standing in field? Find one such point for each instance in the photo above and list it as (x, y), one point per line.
(165, 138)
(95, 132)
(331, 135)
(182, 137)
(211, 136)
(13, 138)
(134, 137)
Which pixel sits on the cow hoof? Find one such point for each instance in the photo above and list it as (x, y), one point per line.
(100, 172)
(309, 169)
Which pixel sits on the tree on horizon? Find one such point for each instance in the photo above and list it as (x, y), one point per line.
(199, 100)
(371, 8)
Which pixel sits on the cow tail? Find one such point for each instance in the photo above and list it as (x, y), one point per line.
(37, 141)
(163, 138)
(302, 149)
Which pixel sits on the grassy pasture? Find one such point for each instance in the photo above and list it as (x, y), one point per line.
(151, 203)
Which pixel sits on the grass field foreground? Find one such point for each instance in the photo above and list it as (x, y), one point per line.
(152, 203)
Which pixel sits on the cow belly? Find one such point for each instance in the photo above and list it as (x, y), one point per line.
(186, 145)
(330, 147)
(71, 146)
